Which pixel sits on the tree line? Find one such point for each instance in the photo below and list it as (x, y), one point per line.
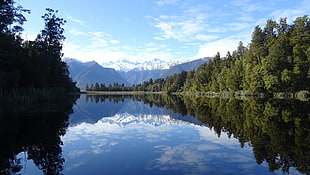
(276, 60)
(32, 64)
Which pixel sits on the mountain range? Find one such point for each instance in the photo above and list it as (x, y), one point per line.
(125, 71)
(125, 112)
(126, 65)
(92, 72)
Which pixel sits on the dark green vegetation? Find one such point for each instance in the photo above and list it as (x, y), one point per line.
(276, 60)
(26, 66)
(35, 130)
(278, 130)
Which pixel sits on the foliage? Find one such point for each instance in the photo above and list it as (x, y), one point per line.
(31, 64)
(276, 60)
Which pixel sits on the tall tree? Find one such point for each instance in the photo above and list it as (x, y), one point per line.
(9, 14)
(50, 42)
(300, 39)
(52, 35)
(11, 19)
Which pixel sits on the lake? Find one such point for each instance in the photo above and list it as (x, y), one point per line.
(156, 134)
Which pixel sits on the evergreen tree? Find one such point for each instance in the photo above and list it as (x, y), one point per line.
(9, 14)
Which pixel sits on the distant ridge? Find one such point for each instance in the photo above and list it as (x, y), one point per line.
(92, 72)
(126, 65)
(128, 72)
(139, 76)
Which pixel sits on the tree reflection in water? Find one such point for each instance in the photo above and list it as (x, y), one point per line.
(38, 133)
(277, 129)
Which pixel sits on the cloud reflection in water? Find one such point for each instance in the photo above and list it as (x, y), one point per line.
(153, 144)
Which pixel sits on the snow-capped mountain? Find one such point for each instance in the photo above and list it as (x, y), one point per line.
(126, 71)
(125, 119)
(126, 65)
(125, 112)
(91, 72)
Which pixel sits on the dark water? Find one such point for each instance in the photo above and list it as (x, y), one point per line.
(157, 135)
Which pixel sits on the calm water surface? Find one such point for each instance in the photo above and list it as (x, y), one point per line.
(163, 135)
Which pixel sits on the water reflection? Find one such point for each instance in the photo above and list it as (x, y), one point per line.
(152, 144)
(34, 133)
(158, 134)
(277, 130)
(155, 134)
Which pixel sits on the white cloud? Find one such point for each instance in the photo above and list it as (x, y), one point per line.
(178, 145)
(222, 45)
(114, 41)
(74, 165)
(245, 17)
(210, 28)
(186, 26)
(239, 26)
(76, 153)
(77, 32)
(179, 28)
(166, 2)
(247, 5)
(203, 37)
(97, 47)
(290, 14)
(81, 22)
(100, 40)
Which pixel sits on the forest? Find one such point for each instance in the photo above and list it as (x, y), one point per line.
(29, 67)
(276, 60)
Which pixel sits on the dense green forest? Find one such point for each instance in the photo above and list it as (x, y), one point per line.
(30, 66)
(276, 60)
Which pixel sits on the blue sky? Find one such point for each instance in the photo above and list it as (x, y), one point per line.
(108, 30)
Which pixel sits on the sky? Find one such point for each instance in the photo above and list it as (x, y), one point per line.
(141, 30)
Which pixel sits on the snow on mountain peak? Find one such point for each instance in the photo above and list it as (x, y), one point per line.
(126, 119)
(127, 65)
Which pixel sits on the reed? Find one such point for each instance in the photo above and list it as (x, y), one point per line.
(30, 95)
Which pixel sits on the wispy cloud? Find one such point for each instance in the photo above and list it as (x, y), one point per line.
(222, 46)
(290, 14)
(247, 5)
(188, 29)
(76, 32)
(234, 26)
(97, 46)
(203, 37)
(182, 31)
(166, 2)
(181, 28)
(81, 22)
(104, 48)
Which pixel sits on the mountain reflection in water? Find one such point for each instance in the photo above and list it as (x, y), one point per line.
(160, 134)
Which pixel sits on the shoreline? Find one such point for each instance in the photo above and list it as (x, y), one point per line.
(120, 92)
(280, 95)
